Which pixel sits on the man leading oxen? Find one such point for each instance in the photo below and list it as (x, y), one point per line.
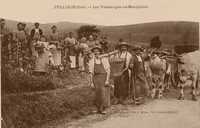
(140, 86)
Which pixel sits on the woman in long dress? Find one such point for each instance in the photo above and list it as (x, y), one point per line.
(55, 44)
(99, 73)
(21, 50)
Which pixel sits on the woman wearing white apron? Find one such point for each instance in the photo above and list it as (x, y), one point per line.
(55, 44)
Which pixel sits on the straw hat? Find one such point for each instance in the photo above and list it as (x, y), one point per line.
(96, 47)
(123, 44)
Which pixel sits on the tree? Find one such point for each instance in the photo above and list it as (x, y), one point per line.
(87, 30)
(155, 42)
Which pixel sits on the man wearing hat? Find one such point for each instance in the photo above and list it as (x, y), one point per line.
(99, 70)
(71, 42)
(35, 35)
(36, 32)
(104, 44)
(122, 81)
(95, 38)
(139, 85)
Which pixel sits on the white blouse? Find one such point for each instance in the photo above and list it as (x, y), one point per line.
(105, 63)
(139, 58)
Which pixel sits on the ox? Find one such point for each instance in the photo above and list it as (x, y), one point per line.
(159, 70)
(189, 69)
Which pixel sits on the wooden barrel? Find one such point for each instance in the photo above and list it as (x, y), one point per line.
(117, 65)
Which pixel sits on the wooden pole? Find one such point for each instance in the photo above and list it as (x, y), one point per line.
(108, 54)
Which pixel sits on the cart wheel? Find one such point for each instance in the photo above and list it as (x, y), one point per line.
(175, 79)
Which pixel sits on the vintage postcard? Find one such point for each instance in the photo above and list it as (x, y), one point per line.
(100, 63)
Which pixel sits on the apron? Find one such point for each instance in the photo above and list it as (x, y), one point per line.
(101, 94)
(81, 62)
(139, 80)
(121, 83)
(55, 51)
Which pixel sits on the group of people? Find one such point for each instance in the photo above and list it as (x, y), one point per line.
(130, 82)
(47, 51)
(51, 50)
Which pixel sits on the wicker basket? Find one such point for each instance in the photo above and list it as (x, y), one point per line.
(117, 65)
(39, 48)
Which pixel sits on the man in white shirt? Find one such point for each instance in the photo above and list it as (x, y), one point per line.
(71, 42)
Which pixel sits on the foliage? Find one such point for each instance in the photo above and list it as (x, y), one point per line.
(87, 30)
(155, 42)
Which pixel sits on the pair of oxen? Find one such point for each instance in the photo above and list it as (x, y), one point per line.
(163, 68)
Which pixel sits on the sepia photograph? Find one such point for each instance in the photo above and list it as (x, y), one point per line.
(100, 64)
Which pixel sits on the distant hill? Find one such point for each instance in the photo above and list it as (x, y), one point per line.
(171, 33)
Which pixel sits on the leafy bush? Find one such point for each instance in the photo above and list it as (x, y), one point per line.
(87, 30)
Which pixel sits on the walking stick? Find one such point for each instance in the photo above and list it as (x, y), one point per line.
(133, 83)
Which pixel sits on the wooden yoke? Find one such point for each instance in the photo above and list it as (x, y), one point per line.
(108, 54)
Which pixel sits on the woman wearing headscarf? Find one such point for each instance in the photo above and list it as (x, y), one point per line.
(99, 70)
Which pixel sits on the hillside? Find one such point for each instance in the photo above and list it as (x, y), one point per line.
(171, 33)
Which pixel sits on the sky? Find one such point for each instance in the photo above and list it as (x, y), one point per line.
(44, 11)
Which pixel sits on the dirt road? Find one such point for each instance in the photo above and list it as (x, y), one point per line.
(166, 113)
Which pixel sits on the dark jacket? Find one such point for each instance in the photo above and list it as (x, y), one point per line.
(33, 33)
(104, 46)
